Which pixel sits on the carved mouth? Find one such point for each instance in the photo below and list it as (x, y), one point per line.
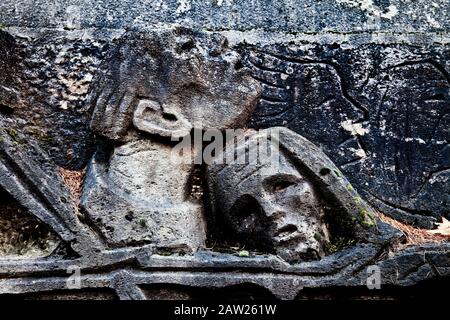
(286, 233)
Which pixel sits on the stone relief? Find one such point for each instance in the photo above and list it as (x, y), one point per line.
(283, 209)
(139, 232)
(164, 84)
(386, 123)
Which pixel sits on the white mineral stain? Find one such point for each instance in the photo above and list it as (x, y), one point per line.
(160, 5)
(421, 141)
(432, 21)
(359, 153)
(383, 127)
(356, 129)
(392, 12)
(371, 8)
(183, 6)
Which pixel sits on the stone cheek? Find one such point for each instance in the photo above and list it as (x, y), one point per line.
(141, 197)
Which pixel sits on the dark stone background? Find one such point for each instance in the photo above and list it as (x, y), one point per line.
(379, 110)
(367, 80)
(377, 68)
(396, 97)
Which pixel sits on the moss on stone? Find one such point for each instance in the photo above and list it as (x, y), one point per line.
(365, 217)
(338, 244)
(12, 133)
(142, 223)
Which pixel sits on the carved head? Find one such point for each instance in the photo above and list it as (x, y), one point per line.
(169, 81)
(280, 208)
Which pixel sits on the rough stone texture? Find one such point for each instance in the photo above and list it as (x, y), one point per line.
(286, 15)
(380, 113)
(28, 175)
(22, 235)
(377, 71)
(282, 281)
(8, 64)
(290, 201)
(133, 207)
(164, 83)
(49, 84)
(168, 82)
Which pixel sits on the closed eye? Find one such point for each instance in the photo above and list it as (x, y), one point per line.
(278, 183)
(280, 186)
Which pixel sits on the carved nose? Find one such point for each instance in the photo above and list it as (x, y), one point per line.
(273, 212)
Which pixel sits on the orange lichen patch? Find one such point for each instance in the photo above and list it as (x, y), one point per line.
(73, 181)
(415, 235)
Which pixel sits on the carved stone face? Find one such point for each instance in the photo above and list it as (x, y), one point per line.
(167, 82)
(164, 82)
(272, 208)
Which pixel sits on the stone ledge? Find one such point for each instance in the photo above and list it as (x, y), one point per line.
(292, 16)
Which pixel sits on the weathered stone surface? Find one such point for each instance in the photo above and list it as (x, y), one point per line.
(164, 83)
(357, 66)
(138, 198)
(283, 283)
(8, 65)
(28, 175)
(21, 234)
(169, 81)
(380, 113)
(47, 87)
(286, 15)
(291, 200)
(366, 81)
